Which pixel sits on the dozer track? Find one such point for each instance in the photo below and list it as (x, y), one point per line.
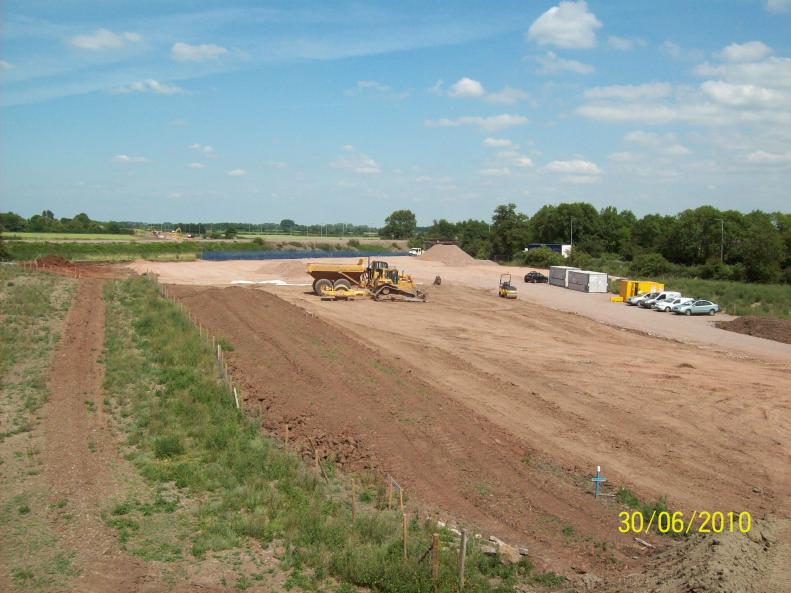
(393, 293)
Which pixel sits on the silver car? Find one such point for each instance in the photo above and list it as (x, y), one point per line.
(639, 298)
(699, 307)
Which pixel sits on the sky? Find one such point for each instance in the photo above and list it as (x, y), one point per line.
(342, 111)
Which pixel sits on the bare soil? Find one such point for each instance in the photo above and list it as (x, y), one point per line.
(498, 412)
(762, 327)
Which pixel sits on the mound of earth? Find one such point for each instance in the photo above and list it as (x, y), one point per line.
(761, 327)
(450, 255)
(53, 260)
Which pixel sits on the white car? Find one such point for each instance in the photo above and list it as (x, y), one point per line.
(639, 298)
(415, 251)
(665, 295)
(667, 305)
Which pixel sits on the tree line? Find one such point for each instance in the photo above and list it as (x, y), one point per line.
(47, 223)
(704, 242)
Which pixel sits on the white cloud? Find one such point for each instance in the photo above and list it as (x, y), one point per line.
(622, 157)
(552, 64)
(184, 52)
(5, 65)
(514, 158)
(580, 179)
(497, 142)
(125, 158)
(745, 95)
(770, 158)
(624, 43)
(675, 51)
(649, 139)
(204, 148)
(489, 123)
(237, 172)
(778, 5)
(174, 195)
(436, 88)
(574, 167)
(363, 86)
(104, 39)
(466, 87)
(772, 72)
(676, 150)
(196, 165)
(495, 172)
(630, 92)
(567, 25)
(356, 162)
(507, 96)
(752, 51)
(277, 165)
(149, 85)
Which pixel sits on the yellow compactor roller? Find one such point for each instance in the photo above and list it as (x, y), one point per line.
(375, 279)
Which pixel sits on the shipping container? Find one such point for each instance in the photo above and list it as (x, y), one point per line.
(630, 288)
(587, 281)
(559, 275)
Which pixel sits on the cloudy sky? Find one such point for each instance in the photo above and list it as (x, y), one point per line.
(345, 111)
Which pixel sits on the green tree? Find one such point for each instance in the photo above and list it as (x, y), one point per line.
(764, 250)
(286, 225)
(401, 224)
(10, 221)
(442, 229)
(509, 231)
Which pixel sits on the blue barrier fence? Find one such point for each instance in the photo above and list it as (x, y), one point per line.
(312, 254)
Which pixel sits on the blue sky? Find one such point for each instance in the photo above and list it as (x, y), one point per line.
(341, 111)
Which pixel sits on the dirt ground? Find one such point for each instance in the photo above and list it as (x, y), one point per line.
(771, 329)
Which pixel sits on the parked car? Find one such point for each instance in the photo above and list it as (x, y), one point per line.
(638, 298)
(668, 304)
(665, 295)
(699, 307)
(535, 277)
(415, 251)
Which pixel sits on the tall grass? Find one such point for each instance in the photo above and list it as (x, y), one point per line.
(185, 430)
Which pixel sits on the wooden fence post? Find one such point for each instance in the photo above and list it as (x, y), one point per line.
(389, 493)
(435, 558)
(404, 530)
(354, 501)
(401, 498)
(236, 398)
(285, 440)
(462, 557)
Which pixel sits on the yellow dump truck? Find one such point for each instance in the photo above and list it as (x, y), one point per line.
(630, 288)
(375, 279)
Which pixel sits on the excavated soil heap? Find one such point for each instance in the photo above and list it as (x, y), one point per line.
(760, 327)
(450, 255)
(53, 260)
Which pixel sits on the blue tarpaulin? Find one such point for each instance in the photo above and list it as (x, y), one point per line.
(229, 255)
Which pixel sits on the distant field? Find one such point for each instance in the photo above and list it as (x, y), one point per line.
(278, 237)
(70, 237)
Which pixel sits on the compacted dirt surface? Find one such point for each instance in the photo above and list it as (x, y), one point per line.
(498, 412)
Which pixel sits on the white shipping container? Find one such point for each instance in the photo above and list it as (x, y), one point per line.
(587, 281)
(559, 275)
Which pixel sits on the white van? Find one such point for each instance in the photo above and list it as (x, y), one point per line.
(416, 251)
(663, 296)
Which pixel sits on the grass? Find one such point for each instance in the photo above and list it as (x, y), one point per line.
(184, 433)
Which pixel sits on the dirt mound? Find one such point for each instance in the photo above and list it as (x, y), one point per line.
(760, 327)
(449, 254)
(53, 260)
(722, 563)
(289, 269)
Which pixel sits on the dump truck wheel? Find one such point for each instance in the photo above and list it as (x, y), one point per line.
(342, 285)
(320, 285)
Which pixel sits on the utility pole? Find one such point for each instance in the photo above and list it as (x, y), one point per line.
(572, 233)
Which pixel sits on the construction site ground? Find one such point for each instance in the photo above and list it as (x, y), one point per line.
(497, 412)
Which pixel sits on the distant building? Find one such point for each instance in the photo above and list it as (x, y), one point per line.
(564, 250)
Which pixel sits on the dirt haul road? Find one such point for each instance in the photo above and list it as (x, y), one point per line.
(500, 410)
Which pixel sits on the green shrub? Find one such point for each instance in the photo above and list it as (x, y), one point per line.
(650, 264)
(541, 257)
(168, 446)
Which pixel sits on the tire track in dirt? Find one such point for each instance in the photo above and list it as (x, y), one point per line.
(80, 461)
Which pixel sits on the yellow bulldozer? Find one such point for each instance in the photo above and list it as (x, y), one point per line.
(375, 279)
